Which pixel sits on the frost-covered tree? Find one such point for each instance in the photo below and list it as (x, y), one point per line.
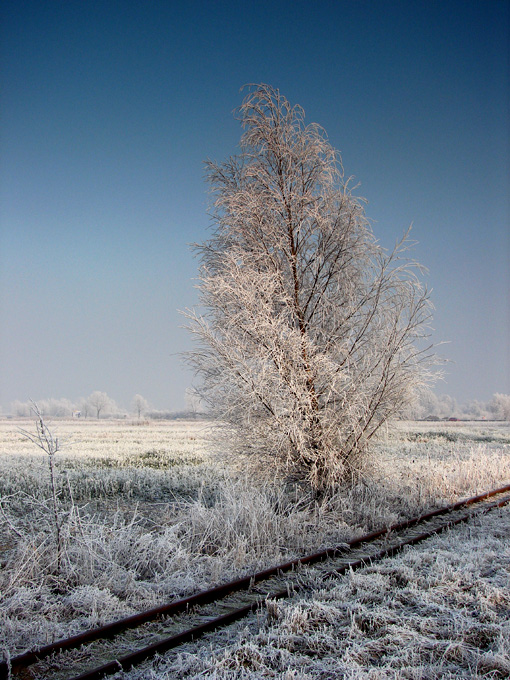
(139, 405)
(424, 404)
(312, 334)
(100, 402)
(20, 408)
(59, 408)
(499, 406)
(84, 407)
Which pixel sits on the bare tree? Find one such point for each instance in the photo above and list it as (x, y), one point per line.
(140, 405)
(100, 402)
(312, 335)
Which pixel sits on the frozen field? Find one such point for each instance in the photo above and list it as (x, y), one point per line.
(439, 610)
(146, 514)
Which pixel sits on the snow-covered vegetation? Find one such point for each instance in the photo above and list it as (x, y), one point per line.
(147, 513)
(100, 405)
(310, 335)
(439, 610)
(428, 405)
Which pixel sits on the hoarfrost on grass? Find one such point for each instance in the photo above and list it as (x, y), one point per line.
(439, 610)
(150, 515)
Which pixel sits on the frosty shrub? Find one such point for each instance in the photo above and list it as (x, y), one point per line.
(311, 334)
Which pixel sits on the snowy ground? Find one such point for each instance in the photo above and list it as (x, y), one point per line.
(147, 514)
(439, 610)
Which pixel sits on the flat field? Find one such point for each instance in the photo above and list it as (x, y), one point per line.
(145, 512)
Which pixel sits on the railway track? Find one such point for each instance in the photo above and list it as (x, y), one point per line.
(130, 641)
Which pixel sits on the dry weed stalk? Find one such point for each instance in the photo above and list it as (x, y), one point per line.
(45, 440)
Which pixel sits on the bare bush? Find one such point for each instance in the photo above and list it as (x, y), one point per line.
(312, 334)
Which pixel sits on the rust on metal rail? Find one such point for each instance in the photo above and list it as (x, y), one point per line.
(196, 632)
(208, 596)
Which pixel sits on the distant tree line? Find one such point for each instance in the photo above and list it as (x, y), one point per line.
(100, 405)
(96, 405)
(427, 405)
(431, 406)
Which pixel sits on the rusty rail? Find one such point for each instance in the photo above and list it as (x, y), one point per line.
(205, 597)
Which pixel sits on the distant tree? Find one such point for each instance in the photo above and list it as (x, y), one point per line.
(59, 408)
(84, 407)
(424, 404)
(474, 409)
(312, 333)
(499, 406)
(139, 405)
(447, 406)
(100, 402)
(20, 408)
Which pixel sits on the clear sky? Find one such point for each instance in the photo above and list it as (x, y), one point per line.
(110, 107)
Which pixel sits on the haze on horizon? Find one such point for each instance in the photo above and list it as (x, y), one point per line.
(109, 110)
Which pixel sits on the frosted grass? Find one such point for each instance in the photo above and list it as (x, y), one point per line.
(438, 610)
(149, 514)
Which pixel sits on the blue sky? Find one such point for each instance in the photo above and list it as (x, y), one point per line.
(108, 110)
